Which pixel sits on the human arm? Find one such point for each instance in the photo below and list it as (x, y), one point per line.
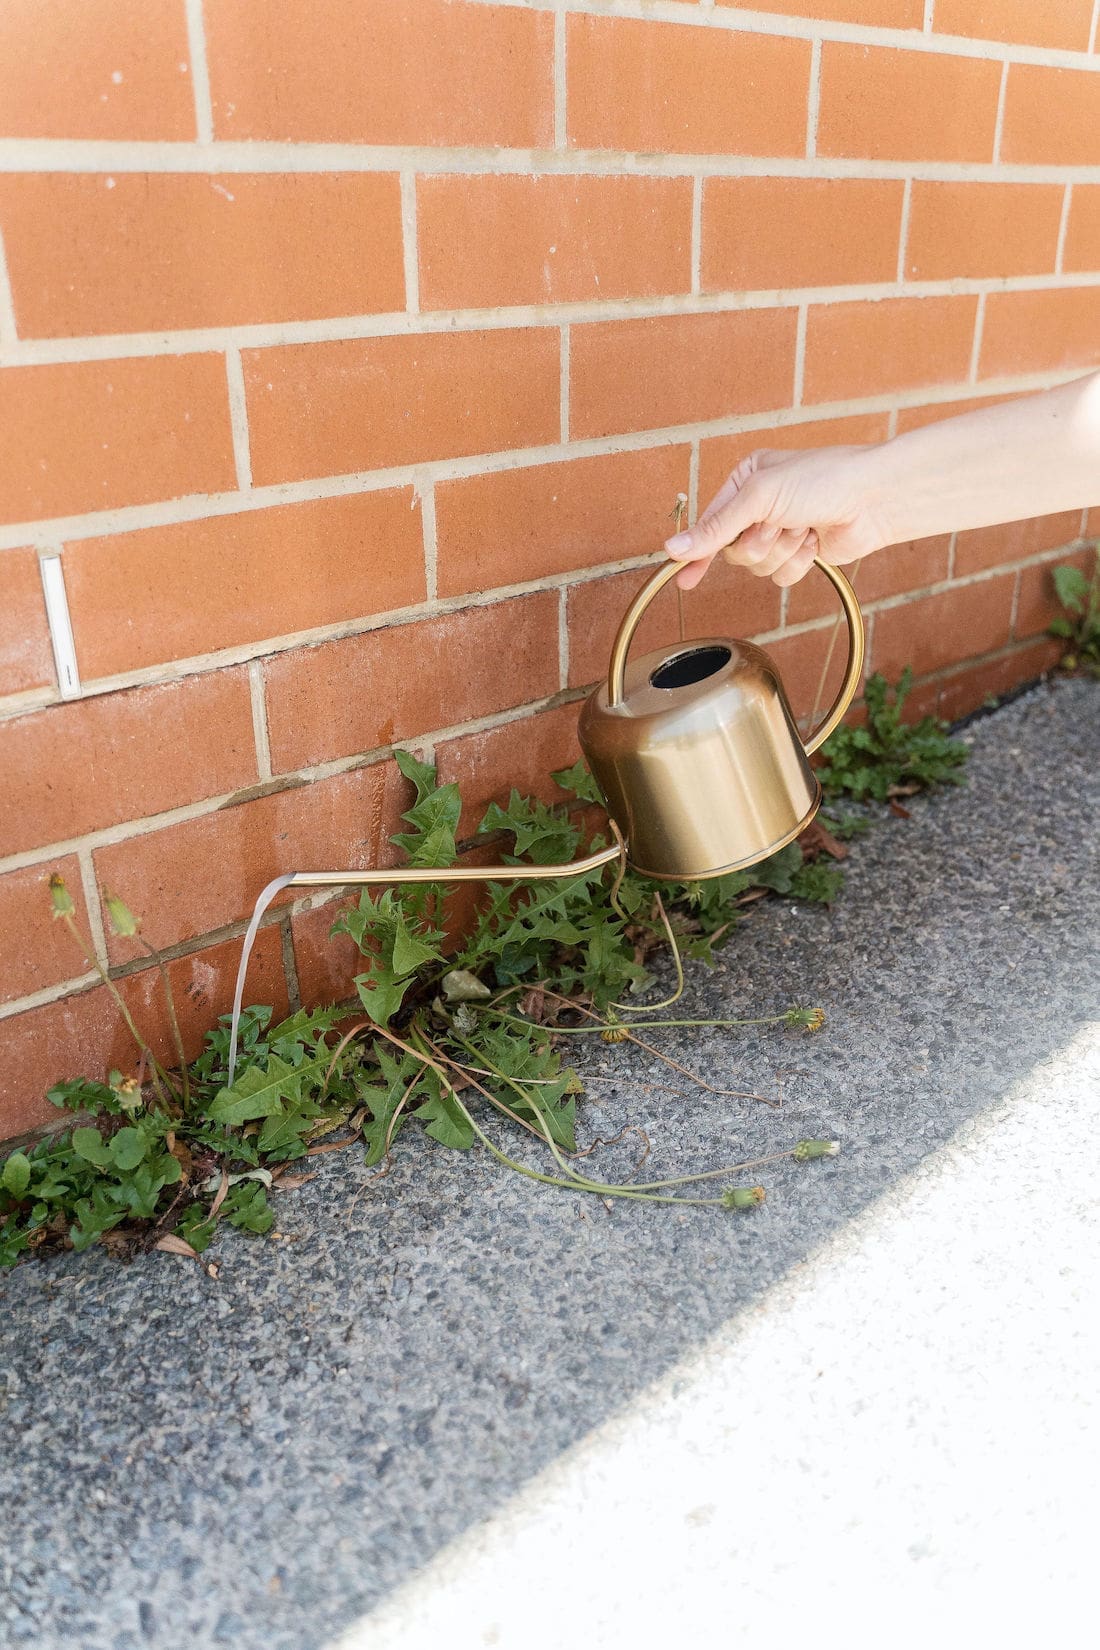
(1028, 457)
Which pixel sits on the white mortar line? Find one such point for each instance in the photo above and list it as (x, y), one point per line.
(426, 495)
(75, 156)
(563, 386)
(394, 324)
(563, 637)
(202, 506)
(48, 994)
(1063, 228)
(111, 835)
(903, 230)
(693, 483)
(200, 75)
(409, 242)
(238, 418)
(761, 21)
(929, 8)
(96, 929)
(1013, 610)
(259, 718)
(60, 624)
(952, 545)
(813, 102)
(998, 124)
(976, 346)
(1092, 28)
(9, 334)
(561, 92)
(799, 355)
(696, 236)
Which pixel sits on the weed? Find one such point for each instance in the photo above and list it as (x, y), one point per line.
(888, 757)
(445, 1041)
(1080, 626)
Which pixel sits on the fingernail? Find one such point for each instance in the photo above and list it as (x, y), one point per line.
(678, 543)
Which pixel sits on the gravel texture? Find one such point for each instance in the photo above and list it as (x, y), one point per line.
(256, 1460)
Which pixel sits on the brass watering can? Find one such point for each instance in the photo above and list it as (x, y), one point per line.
(695, 750)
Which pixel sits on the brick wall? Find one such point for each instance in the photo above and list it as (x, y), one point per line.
(352, 355)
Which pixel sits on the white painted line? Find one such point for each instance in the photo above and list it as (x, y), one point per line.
(61, 628)
(238, 419)
(409, 244)
(259, 718)
(200, 75)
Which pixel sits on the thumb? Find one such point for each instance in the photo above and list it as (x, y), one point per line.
(723, 524)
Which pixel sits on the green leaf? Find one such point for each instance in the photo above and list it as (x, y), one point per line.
(128, 1147)
(1072, 587)
(83, 1095)
(445, 1121)
(16, 1174)
(544, 836)
(88, 1144)
(579, 781)
(247, 1208)
(262, 1090)
(411, 951)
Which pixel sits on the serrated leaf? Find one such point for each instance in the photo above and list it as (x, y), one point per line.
(445, 1121)
(262, 1090)
(578, 781)
(1072, 587)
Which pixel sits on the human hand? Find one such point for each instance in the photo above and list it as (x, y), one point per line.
(780, 509)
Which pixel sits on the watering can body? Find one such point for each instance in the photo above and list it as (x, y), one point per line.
(697, 752)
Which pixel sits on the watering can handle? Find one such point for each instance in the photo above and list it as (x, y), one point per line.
(616, 670)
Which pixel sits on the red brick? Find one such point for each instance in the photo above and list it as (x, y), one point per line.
(100, 761)
(1082, 248)
(1037, 601)
(811, 668)
(932, 632)
(164, 593)
(1040, 331)
(1050, 116)
(487, 765)
(970, 688)
(982, 229)
(202, 986)
(26, 658)
(889, 572)
(86, 1036)
(146, 252)
(983, 547)
(729, 602)
(98, 69)
(360, 694)
(520, 239)
(70, 1038)
(679, 369)
(326, 965)
(916, 418)
(513, 525)
(367, 404)
(660, 87)
(45, 952)
(721, 454)
(876, 348)
(769, 233)
(92, 435)
(381, 71)
(189, 879)
(1062, 26)
(878, 103)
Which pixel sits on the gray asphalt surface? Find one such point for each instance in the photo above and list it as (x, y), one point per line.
(266, 1458)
